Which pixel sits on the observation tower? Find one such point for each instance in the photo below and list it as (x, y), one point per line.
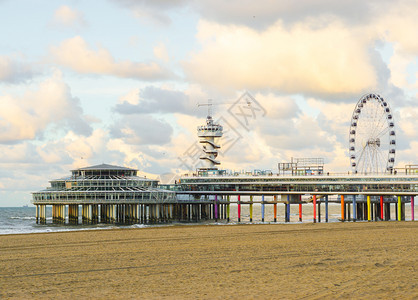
(208, 135)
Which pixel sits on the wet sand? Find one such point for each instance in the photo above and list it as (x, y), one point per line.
(292, 261)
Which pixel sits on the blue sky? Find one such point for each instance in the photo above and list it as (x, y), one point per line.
(87, 82)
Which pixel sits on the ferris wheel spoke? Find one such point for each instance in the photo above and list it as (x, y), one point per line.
(383, 160)
(382, 132)
(381, 124)
(361, 155)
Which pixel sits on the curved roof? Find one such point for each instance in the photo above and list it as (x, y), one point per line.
(105, 167)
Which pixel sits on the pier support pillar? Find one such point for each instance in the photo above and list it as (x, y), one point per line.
(76, 213)
(381, 208)
(300, 208)
(369, 209)
(42, 214)
(387, 211)
(287, 210)
(251, 208)
(342, 208)
(275, 208)
(326, 208)
(112, 212)
(314, 208)
(412, 208)
(354, 209)
(262, 208)
(348, 211)
(216, 208)
(239, 208)
(399, 208)
(319, 211)
(227, 208)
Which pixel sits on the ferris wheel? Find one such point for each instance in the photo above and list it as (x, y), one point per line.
(372, 136)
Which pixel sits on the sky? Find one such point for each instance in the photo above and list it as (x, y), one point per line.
(123, 82)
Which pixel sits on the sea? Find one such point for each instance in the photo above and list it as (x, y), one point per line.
(22, 220)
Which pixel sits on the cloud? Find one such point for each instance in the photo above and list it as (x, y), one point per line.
(397, 24)
(15, 71)
(75, 54)
(262, 14)
(277, 107)
(68, 17)
(156, 100)
(142, 129)
(160, 52)
(156, 12)
(259, 14)
(28, 116)
(303, 59)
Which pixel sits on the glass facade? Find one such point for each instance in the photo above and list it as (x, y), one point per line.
(103, 185)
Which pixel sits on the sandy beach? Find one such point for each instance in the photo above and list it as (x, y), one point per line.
(293, 261)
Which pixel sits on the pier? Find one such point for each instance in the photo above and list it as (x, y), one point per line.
(115, 195)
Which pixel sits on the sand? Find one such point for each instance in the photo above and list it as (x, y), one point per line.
(292, 261)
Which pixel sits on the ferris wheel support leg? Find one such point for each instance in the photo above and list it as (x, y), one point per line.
(369, 210)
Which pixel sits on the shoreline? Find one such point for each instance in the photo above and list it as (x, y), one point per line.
(117, 227)
(356, 260)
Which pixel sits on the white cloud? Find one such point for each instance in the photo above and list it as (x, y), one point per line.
(68, 17)
(278, 107)
(327, 60)
(160, 52)
(254, 14)
(142, 129)
(397, 24)
(12, 70)
(26, 117)
(132, 97)
(156, 100)
(155, 12)
(75, 54)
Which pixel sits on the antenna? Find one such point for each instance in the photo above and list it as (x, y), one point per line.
(209, 104)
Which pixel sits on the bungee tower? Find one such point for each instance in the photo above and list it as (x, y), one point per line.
(208, 135)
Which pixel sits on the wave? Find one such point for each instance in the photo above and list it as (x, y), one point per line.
(23, 218)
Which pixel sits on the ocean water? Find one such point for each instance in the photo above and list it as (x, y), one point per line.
(20, 220)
